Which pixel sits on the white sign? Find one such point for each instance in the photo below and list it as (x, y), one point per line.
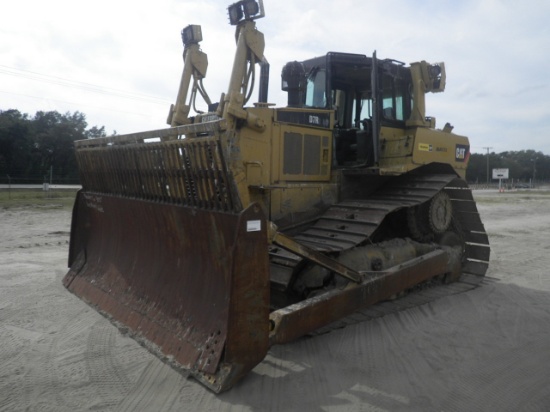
(253, 225)
(500, 173)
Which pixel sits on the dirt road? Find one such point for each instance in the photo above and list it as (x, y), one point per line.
(487, 349)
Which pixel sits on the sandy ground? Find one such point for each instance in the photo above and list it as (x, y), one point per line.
(487, 349)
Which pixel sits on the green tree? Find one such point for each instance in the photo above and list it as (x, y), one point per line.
(95, 132)
(523, 165)
(31, 147)
(15, 144)
(477, 168)
(54, 136)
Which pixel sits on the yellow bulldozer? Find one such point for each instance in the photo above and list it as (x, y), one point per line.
(247, 226)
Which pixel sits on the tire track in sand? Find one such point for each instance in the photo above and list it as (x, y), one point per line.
(106, 373)
(12, 373)
(64, 368)
(157, 389)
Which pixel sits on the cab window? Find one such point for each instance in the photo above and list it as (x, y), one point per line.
(316, 89)
(395, 104)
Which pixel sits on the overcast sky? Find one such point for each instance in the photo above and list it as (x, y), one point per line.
(119, 61)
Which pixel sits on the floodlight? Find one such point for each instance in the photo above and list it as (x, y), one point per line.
(251, 8)
(245, 10)
(191, 34)
(435, 71)
(235, 13)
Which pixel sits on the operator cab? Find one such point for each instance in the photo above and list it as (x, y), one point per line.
(364, 93)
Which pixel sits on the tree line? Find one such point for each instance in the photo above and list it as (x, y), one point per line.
(523, 166)
(34, 147)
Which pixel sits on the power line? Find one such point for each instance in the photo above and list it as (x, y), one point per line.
(73, 103)
(59, 81)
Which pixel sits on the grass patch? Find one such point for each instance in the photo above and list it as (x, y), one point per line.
(37, 198)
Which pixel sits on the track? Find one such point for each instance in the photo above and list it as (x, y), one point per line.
(349, 224)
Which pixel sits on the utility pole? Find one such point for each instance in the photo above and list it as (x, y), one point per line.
(488, 148)
(534, 172)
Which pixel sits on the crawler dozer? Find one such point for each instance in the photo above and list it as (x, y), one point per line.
(245, 226)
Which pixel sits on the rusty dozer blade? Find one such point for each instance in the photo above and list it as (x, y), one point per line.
(190, 284)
